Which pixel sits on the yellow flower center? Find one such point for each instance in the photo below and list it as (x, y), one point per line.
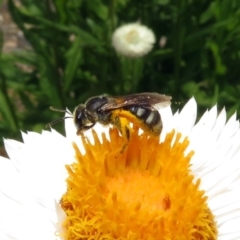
(146, 191)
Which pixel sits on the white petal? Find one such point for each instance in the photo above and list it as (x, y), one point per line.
(216, 163)
(187, 118)
(61, 215)
(230, 128)
(30, 184)
(167, 120)
(21, 218)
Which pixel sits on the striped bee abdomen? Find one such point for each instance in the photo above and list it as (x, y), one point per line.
(150, 118)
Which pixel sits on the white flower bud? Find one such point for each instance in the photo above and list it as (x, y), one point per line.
(133, 40)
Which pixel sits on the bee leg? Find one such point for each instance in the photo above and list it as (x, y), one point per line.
(83, 136)
(123, 125)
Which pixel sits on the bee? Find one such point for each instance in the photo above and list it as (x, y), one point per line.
(140, 109)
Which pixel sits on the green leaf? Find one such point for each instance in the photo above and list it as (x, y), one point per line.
(74, 59)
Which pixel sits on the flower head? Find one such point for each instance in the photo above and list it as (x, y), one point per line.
(186, 185)
(133, 40)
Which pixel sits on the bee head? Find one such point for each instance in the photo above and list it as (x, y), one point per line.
(83, 119)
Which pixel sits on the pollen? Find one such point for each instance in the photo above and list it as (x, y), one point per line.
(146, 191)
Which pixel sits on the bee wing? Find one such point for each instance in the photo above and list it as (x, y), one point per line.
(147, 100)
(162, 105)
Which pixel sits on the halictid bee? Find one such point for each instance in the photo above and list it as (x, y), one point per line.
(140, 109)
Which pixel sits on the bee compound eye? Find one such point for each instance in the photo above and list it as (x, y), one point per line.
(78, 115)
(78, 122)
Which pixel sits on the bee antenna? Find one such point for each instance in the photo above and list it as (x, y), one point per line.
(59, 119)
(56, 121)
(60, 110)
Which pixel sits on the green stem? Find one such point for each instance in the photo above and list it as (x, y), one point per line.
(134, 74)
(121, 74)
(138, 72)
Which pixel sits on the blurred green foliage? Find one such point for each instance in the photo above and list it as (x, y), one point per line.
(72, 57)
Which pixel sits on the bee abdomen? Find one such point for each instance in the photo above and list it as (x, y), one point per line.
(151, 118)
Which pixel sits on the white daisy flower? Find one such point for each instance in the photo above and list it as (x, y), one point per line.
(184, 187)
(133, 40)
